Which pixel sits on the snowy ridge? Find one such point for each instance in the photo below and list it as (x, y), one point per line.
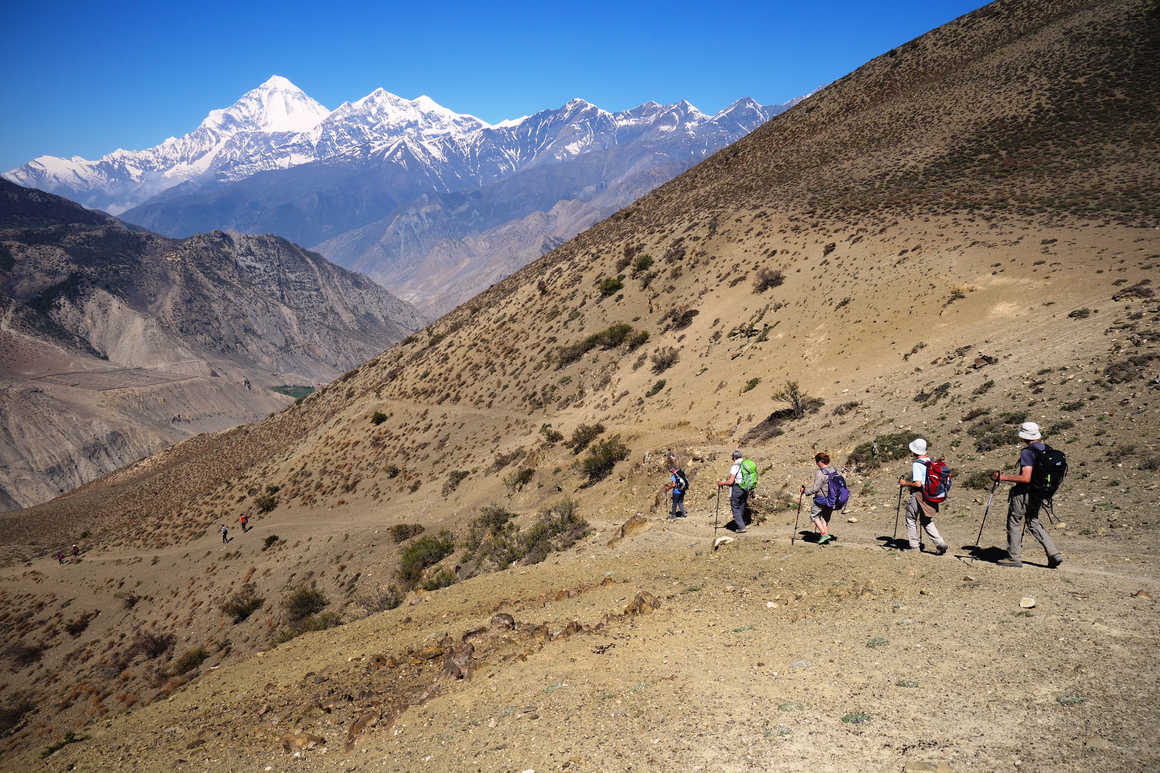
(277, 126)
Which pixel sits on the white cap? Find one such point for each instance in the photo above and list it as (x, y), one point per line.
(918, 446)
(1029, 430)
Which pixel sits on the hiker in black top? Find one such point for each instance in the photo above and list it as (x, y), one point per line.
(1023, 504)
(676, 485)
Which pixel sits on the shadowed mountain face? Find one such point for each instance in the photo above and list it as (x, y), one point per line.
(957, 237)
(99, 311)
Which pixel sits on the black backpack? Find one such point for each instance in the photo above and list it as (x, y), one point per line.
(682, 481)
(1047, 474)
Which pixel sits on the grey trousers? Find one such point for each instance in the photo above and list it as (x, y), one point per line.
(737, 499)
(916, 511)
(1020, 506)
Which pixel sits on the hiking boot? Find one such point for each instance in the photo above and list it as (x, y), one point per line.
(822, 540)
(1015, 562)
(941, 549)
(1054, 561)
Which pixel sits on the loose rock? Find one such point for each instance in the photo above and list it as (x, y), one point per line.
(1027, 602)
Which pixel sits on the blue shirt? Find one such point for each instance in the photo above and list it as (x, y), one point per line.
(676, 484)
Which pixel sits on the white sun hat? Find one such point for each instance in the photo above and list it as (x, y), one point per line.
(1029, 430)
(918, 446)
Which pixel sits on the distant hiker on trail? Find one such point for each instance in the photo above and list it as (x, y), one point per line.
(225, 534)
(245, 519)
(76, 551)
(678, 484)
(1027, 497)
(742, 480)
(60, 557)
(829, 492)
(923, 503)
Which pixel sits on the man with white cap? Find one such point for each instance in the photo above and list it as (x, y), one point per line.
(742, 479)
(918, 503)
(1022, 504)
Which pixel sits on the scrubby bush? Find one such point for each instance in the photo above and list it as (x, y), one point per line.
(550, 435)
(845, 408)
(378, 417)
(583, 435)
(642, 264)
(453, 480)
(265, 502)
(557, 529)
(664, 358)
(611, 285)
(879, 451)
(152, 644)
(401, 532)
(242, 604)
(304, 602)
(23, 655)
(190, 660)
(766, 278)
(995, 431)
(10, 715)
(270, 541)
(520, 478)
(422, 553)
(655, 388)
(799, 402)
(637, 340)
(603, 457)
(503, 460)
(441, 579)
(978, 480)
(381, 600)
(750, 384)
(609, 338)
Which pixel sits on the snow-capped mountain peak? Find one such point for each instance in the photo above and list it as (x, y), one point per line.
(275, 106)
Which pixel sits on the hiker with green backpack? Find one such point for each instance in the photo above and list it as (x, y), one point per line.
(742, 480)
(1040, 471)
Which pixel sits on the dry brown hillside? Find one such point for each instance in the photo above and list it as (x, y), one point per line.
(958, 236)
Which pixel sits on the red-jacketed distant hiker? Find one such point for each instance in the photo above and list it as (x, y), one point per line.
(244, 520)
(742, 479)
(919, 508)
(820, 511)
(1024, 502)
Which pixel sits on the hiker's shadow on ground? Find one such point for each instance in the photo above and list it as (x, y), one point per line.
(893, 543)
(812, 537)
(989, 554)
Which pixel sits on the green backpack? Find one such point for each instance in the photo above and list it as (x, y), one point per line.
(747, 476)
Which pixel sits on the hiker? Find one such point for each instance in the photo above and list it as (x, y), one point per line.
(919, 507)
(678, 484)
(1023, 504)
(742, 479)
(225, 534)
(244, 519)
(819, 512)
(76, 550)
(60, 557)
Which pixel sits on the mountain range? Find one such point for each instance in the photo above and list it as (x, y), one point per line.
(116, 342)
(431, 203)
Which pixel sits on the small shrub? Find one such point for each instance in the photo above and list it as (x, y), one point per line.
(1083, 313)
(69, 737)
(680, 318)
(520, 478)
(978, 480)
(270, 541)
(503, 460)
(442, 579)
(609, 338)
(401, 532)
(765, 278)
(453, 480)
(1074, 405)
(637, 340)
(583, 435)
(799, 402)
(908, 683)
(392, 470)
(610, 285)
(304, 602)
(934, 395)
(655, 388)
(190, 660)
(877, 642)
(11, 714)
(557, 529)
(845, 408)
(996, 431)
(265, 502)
(983, 388)
(879, 451)
(642, 264)
(242, 604)
(378, 417)
(422, 553)
(975, 413)
(550, 435)
(381, 600)
(152, 644)
(603, 457)
(664, 358)
(750, 384)
(320, 622)
(1060, 426)
(1150, 464)
(856, 718)
(23, 655)
(78, 625)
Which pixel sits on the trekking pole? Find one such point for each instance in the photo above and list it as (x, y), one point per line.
(976, 549)
(716, 512)
(795, 518)
(897, 512)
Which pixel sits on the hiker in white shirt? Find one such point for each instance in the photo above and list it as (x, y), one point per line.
(918, 508)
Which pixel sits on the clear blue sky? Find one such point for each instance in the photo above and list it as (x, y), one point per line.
(83, 78)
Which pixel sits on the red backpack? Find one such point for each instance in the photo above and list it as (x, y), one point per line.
(938, 481)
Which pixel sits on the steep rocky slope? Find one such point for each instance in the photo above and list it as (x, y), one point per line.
(956, 237)
(117, 342)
